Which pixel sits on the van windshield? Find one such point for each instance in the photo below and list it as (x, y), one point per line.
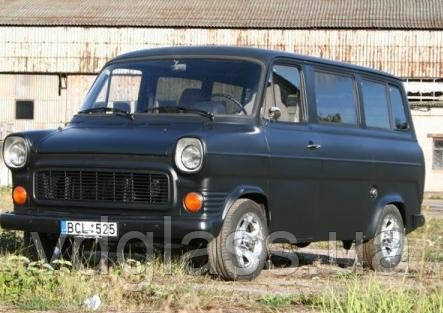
(163, 86)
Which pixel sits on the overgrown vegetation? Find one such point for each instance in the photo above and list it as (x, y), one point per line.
(156, 286)
(373, 297)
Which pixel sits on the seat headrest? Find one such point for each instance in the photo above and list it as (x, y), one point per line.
(122, 105)
(191, 95)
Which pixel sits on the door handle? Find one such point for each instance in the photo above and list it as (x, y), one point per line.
(313, 146)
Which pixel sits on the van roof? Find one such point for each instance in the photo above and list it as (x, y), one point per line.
(264, 55)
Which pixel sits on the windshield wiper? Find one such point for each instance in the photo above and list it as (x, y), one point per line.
(209, 115)
(116, 111)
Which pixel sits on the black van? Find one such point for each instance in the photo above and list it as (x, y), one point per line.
(240, 144)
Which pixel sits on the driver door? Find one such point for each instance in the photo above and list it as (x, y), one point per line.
(295, 165)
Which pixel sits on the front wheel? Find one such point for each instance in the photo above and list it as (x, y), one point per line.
(239, 251)
(384, 252)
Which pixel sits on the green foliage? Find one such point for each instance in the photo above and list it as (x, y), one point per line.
(10, 242)
(375, 298)
(37, 285)
(276, 300)
(284, 301)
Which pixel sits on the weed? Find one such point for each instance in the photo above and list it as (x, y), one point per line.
(372, 297)
(10, 242)
(35, 285)
(276, 300)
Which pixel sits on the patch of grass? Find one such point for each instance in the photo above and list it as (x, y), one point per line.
(435, 197)
(276, 301)
(285, 301)
(10, 242)
(428, 241)
(34, 285)
(131, 286)
(372, 297)
(433, 229)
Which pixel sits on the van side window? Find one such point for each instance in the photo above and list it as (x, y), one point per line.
(375, 104)
(285, 93)
(398, 108)
(335, 98)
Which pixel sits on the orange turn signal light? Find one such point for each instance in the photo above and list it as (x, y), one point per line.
(19, 195)
(193, 202)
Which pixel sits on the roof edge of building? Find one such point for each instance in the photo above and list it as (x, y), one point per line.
(98, 25)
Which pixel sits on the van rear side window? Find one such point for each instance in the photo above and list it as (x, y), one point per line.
(335, 98)
(375, 104)
(398, 109)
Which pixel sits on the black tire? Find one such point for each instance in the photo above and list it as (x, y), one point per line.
(372, 253)
(39, 247)
(223, 260)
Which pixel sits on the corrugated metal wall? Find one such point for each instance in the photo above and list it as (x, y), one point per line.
(407, 53)
(32, 57)
(49, 107)
(5, 173)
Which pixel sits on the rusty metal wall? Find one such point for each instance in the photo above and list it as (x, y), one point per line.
(406, 53)
(49, 107)
(77, 88)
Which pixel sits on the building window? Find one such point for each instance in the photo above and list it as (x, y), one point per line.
(24, 109)
(424, 90)
(437, 162)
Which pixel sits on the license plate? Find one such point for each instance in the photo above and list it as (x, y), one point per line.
(88, 229)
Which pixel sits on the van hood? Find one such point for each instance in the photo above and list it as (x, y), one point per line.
(145, 139)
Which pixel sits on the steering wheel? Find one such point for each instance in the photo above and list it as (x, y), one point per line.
(232, 99)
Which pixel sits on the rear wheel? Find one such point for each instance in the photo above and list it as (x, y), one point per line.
(383, 252)
(239, 251)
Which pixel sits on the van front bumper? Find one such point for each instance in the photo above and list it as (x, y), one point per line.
(179, 226)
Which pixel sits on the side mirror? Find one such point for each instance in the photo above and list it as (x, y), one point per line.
(274, 113)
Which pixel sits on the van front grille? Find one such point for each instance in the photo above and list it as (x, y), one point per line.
(102, 186)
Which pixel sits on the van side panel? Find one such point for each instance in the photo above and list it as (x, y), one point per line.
(347, 176)
(356, 159)
(398, 170)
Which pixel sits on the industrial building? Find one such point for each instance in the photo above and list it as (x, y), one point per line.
(50, 51)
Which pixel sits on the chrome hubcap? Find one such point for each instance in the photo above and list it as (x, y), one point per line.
(248, 241)
(391, 238)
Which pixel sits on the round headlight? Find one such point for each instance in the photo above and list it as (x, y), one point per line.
(15, 152)
(189, 155)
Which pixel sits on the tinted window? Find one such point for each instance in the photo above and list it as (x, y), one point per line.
(375, 104)
(398, 109)
(24, 109)
(335, 98)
